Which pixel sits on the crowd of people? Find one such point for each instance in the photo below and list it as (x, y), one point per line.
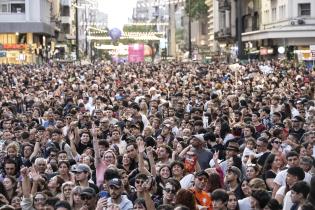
(183, 136)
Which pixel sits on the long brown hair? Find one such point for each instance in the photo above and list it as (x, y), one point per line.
(186, 198)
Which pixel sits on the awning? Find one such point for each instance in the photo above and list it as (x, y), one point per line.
(26, 27)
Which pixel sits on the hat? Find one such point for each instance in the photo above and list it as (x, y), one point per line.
(115, 182)
(202, 173)
(89, 191)
(199, 137)
(135, 125)
(81, 168)
(236, 171)
(232, 145)
(298, 118)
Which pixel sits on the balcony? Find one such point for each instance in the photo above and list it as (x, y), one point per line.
(223, 35)
(12, 17)
(224, 5)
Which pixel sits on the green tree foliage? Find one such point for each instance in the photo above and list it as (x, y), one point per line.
(135, 28)
(198, 8)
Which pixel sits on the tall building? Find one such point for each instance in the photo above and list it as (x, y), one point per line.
(222, 17)
(87, 12)
(212, 20)
(280, 23)
(25, 30)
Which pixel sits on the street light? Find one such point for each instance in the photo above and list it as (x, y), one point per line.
(77, 31)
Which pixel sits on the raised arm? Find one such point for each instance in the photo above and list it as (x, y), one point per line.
(151, 161)
(36, 149)
(26, 183)
(71, 136)
(184, 151)
(141, 149)
(95, 146)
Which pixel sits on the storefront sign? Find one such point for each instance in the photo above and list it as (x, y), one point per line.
(14, 46)
(263, 51)
(136, 53)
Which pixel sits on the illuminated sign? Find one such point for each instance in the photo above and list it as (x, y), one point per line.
(14, 46)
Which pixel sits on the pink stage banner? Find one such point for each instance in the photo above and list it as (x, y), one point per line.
(136, 53)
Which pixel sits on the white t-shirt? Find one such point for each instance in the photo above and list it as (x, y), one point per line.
(281, 176)
(244, 203)
(287, 202)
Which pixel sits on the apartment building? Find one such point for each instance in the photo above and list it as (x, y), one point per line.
(25, 30)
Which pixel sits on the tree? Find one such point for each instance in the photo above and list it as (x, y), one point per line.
(198, 8)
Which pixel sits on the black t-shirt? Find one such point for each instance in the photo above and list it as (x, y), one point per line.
(261, 160)
(81, 147)
(269, 175)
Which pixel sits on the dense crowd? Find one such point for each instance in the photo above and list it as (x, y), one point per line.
(183, 136)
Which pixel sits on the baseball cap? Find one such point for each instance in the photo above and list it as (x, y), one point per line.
(89, 191)
(115, 183)
(199, 137)
(80, 168)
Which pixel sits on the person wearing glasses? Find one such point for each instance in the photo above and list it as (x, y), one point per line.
(88, 197)
(203, 199)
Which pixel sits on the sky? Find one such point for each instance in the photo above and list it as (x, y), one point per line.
(118, 11)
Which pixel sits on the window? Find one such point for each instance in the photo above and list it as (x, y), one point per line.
(65, 11)
(282, 12)
(203, 28)
(273, 14)
(305, 9)
(4, 8)
(267, 18)
(18, 8)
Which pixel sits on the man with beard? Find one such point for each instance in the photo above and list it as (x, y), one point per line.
(88, 197)
(297, 127)
(203, 200)
(116, 197)
(204, 155)
(104, 128)
(164, 153)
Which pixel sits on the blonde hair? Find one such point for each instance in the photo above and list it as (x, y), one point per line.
(112, 152)
(63, 186)
(257, 184)
(13, 145)
(76, 189)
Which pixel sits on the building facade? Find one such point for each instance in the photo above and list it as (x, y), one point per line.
(289, 24)
(25, 30)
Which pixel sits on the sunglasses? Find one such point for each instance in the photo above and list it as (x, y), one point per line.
(202, 179)
(139, 181)
(85, 197)
(168, 190)
(277, 142)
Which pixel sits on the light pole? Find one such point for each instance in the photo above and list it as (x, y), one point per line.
(189, 30)
(77, 31)
(239, 32)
